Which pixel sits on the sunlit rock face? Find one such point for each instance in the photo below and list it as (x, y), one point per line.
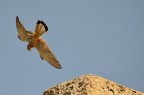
(90, 85)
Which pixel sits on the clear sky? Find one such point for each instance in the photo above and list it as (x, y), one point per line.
(101, 37)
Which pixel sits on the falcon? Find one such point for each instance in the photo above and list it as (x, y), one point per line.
(35, 40)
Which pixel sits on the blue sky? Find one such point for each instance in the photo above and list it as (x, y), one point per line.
(101, 37)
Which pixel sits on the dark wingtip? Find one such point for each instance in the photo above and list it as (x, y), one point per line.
(60, 67)
(40, 21)
(17, 18)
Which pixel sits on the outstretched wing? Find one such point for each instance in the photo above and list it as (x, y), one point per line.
(24, 35)
(40, 28)
(45, 53)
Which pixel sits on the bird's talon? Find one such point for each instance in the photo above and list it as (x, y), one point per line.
(41, 58)
(19, 37)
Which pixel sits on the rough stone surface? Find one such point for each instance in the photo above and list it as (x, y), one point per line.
(90, 85)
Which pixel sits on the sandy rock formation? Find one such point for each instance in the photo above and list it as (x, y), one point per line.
(90, 85)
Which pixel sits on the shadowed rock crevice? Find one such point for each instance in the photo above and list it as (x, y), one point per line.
(90, 85)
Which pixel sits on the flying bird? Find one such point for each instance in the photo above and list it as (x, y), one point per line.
(35, 40)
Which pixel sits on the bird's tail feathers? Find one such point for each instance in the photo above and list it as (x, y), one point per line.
(41, 28)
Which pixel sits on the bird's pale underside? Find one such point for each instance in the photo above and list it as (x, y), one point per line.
(34, 40)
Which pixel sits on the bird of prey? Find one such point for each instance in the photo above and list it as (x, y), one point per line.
(34, 40)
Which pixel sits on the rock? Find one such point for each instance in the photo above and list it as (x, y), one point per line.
(90, 85)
